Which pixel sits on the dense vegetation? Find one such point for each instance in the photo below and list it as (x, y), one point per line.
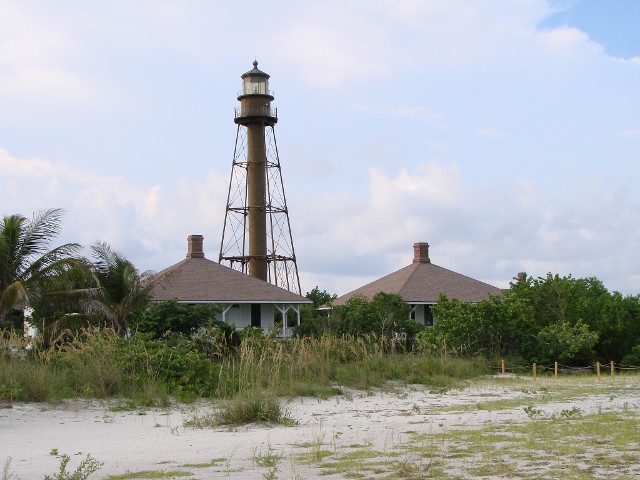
(573, 321)
(99, 335)
(101, 364)
(58, 287)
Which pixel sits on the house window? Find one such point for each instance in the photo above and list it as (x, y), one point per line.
(256, 315)
(428, 316)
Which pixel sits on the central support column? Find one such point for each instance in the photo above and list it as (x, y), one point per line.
(256, 201)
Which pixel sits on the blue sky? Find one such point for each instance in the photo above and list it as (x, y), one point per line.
(506, 134)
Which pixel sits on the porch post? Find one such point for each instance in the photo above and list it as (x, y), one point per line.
(224, 313)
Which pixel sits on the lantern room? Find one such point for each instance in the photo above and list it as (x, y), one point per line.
(255, 82)
(255, 99)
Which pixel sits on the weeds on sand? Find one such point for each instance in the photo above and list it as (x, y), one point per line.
(522, 451)
(151, 474)
(271, 474)
(6, 470)
(267, 459)
(315, 449)
(84, 470)
(213, 463)
(533, 412)
(602, 445)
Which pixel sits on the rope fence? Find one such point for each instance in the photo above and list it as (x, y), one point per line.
(599, 369)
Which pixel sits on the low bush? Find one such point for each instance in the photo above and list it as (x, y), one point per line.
(632, 359)
(252, 406)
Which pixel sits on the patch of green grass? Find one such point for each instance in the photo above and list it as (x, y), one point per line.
(213, 463)
(315, 450)
(314, 456)
(593, 442)
(310, 389)
(268, 459)
(247, 407)
(151, 474)
(355, 461)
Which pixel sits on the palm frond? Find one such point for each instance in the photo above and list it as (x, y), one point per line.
(25, 258)
(105, 256)
(36, 234)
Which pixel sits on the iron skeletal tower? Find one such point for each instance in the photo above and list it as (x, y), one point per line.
(256, 238)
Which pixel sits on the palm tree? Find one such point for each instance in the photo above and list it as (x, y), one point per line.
(123, 291)
(28, 268)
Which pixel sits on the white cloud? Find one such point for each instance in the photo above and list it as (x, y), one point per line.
(481, 232)
(143, 222)
(34, 167)
(566, 48)
(150, 208)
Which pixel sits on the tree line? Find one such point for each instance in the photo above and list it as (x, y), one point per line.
(575, 321)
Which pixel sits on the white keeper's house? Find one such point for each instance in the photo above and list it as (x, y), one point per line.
(245, 300)
(421, 283)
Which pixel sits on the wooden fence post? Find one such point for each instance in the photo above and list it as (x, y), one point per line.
(502, 365)
(613, 370)
(555, 369)
(534, 372)
(598, 370)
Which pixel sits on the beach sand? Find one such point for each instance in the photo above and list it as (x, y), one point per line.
(380, 420)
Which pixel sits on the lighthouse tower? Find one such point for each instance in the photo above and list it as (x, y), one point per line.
(256, 238)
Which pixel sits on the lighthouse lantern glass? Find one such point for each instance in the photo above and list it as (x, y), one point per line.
(259, 85)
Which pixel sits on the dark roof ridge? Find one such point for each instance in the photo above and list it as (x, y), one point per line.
(455, 273)
(199, 279)
(423, 282)
(411, 266)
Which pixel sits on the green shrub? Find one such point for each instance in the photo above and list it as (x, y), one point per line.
(174, 362)
(252, 406)
(632, 359)
(173, 317)
(563, 343)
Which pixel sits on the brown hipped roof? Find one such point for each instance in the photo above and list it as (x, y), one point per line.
(423, 282)
(197, 279)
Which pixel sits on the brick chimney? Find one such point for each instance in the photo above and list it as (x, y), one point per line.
(522, 277)
(194, 246)
(421, 252)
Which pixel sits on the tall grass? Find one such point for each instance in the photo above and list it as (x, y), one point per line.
(99, 364)
(298, 366)
(84, 364)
